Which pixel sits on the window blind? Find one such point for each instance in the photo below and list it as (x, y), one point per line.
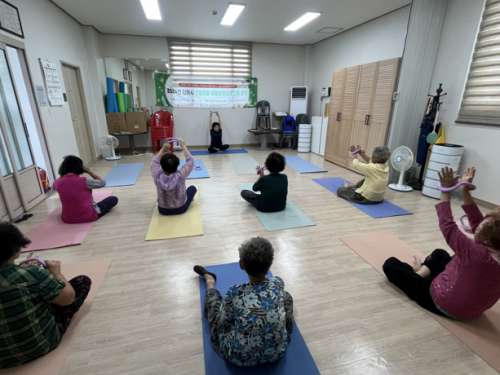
(481, 100)
(210, 58)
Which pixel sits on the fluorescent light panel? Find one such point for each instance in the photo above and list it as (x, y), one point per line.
(306, 18)
(232, 13)
(151, 9)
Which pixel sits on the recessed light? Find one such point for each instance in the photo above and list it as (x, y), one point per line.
(306, 18)
(151, 9)
(232, 13)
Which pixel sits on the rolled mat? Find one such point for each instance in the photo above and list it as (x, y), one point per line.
(121, 87)
(52, 363)
(480, 334)
(127, 101)
(297, 359)
(111, 97)
(121, 101)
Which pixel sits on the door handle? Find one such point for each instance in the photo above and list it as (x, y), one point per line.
(367, 119)
(339, 116)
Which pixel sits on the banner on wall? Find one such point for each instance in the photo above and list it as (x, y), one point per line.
(205, 92)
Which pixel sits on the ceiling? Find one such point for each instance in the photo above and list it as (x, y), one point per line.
(149, 64)
(261, 21)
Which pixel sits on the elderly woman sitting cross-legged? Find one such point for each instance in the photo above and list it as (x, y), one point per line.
(252, 324)
(371, 189)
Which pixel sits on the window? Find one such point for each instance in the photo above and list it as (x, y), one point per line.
(481, 100)
(206, 58)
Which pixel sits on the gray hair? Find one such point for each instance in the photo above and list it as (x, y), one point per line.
(381, 154)
(257, 256)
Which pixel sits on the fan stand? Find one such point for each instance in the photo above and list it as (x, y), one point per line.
(114, 157)
(400, 186)
(419, 185)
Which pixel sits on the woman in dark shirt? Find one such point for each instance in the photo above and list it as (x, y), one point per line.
(216, 144)
(273, 187)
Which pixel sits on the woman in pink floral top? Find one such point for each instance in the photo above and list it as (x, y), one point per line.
(468, 283)
(173, 197)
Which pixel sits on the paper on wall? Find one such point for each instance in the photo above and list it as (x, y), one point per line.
(42, 97)
(53, 83)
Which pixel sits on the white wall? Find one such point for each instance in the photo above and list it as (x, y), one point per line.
(51, 34)
(380, 39)
(134, 46)
(481, 143)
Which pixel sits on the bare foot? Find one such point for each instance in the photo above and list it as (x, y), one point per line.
(346, 185)
(417, 263)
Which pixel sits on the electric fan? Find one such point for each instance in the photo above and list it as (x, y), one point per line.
(110, 142)
(401, 160)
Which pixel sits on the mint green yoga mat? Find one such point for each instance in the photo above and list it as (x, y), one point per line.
(290, 217)
(120, 98)
(244, 164)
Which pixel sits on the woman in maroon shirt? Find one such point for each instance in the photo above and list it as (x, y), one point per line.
(466, 284)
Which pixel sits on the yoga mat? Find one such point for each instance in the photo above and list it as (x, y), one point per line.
(302, 166)
(481, 334)
(174, 226)
(121, 102)
(384, 209)
(121, 87)
(51, 363)
(53, 232)
(290, 217)
(123, 174)
(297, 359)
(111, 97)
(127, 102)
(229, 151)
(194, 173)
(244, 164)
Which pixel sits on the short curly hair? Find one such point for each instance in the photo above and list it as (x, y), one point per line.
(71, 164)
(381, 154)
(12, 241)
(257, 255)
(169, 163)
(275, 163)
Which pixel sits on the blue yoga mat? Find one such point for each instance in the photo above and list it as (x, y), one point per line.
(290, 217)
(123, 174)
(111, 97)
(121, 87)
(196, 174)
(297, 359)
(378, 210)
(230, 151)
(302, 166)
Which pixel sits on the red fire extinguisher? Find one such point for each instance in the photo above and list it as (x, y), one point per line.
(44, 178)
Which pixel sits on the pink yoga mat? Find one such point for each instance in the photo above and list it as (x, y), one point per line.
(51, 363)
(53, 232)
(482, 334)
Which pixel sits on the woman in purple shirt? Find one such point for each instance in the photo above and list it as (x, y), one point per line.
(173, 197)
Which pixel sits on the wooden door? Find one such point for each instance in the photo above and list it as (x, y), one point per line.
(76, 106)
(364, 104)
(334, 115)
(387, 73)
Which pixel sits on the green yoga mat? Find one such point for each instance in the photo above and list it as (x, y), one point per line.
(127, 101)
(290, 217)
(244, 164)
(120, 98)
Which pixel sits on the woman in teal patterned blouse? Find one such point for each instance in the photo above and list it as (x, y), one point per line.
(253, 323)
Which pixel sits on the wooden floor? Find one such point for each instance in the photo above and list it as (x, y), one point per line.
(146, 318)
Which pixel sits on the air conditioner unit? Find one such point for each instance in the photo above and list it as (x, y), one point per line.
(298, 100)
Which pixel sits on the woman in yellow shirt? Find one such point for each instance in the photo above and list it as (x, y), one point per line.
(371, 189)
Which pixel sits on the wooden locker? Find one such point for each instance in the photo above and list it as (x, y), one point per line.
(335, 107)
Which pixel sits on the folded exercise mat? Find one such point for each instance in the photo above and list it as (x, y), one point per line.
(128, 103)
(121, 87)
(53, 232)
(302, 166)
(123, 174)
(120, 98)
(244, 164)
(111, 97)
(481, 334)
(290, 217)
(297, 359)
(173, 226)
(203, 173)
(229, 151)
(378, 210)
(51, 363)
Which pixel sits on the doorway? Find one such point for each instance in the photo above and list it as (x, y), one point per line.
(78, 108)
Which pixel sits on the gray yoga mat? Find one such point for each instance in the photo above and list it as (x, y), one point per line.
(244, 164)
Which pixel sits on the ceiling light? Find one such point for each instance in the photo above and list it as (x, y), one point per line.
(232, 13)
(306, 18)
(151, 9)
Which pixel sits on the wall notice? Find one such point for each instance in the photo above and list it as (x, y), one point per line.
(205, 92)
(53, 83)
